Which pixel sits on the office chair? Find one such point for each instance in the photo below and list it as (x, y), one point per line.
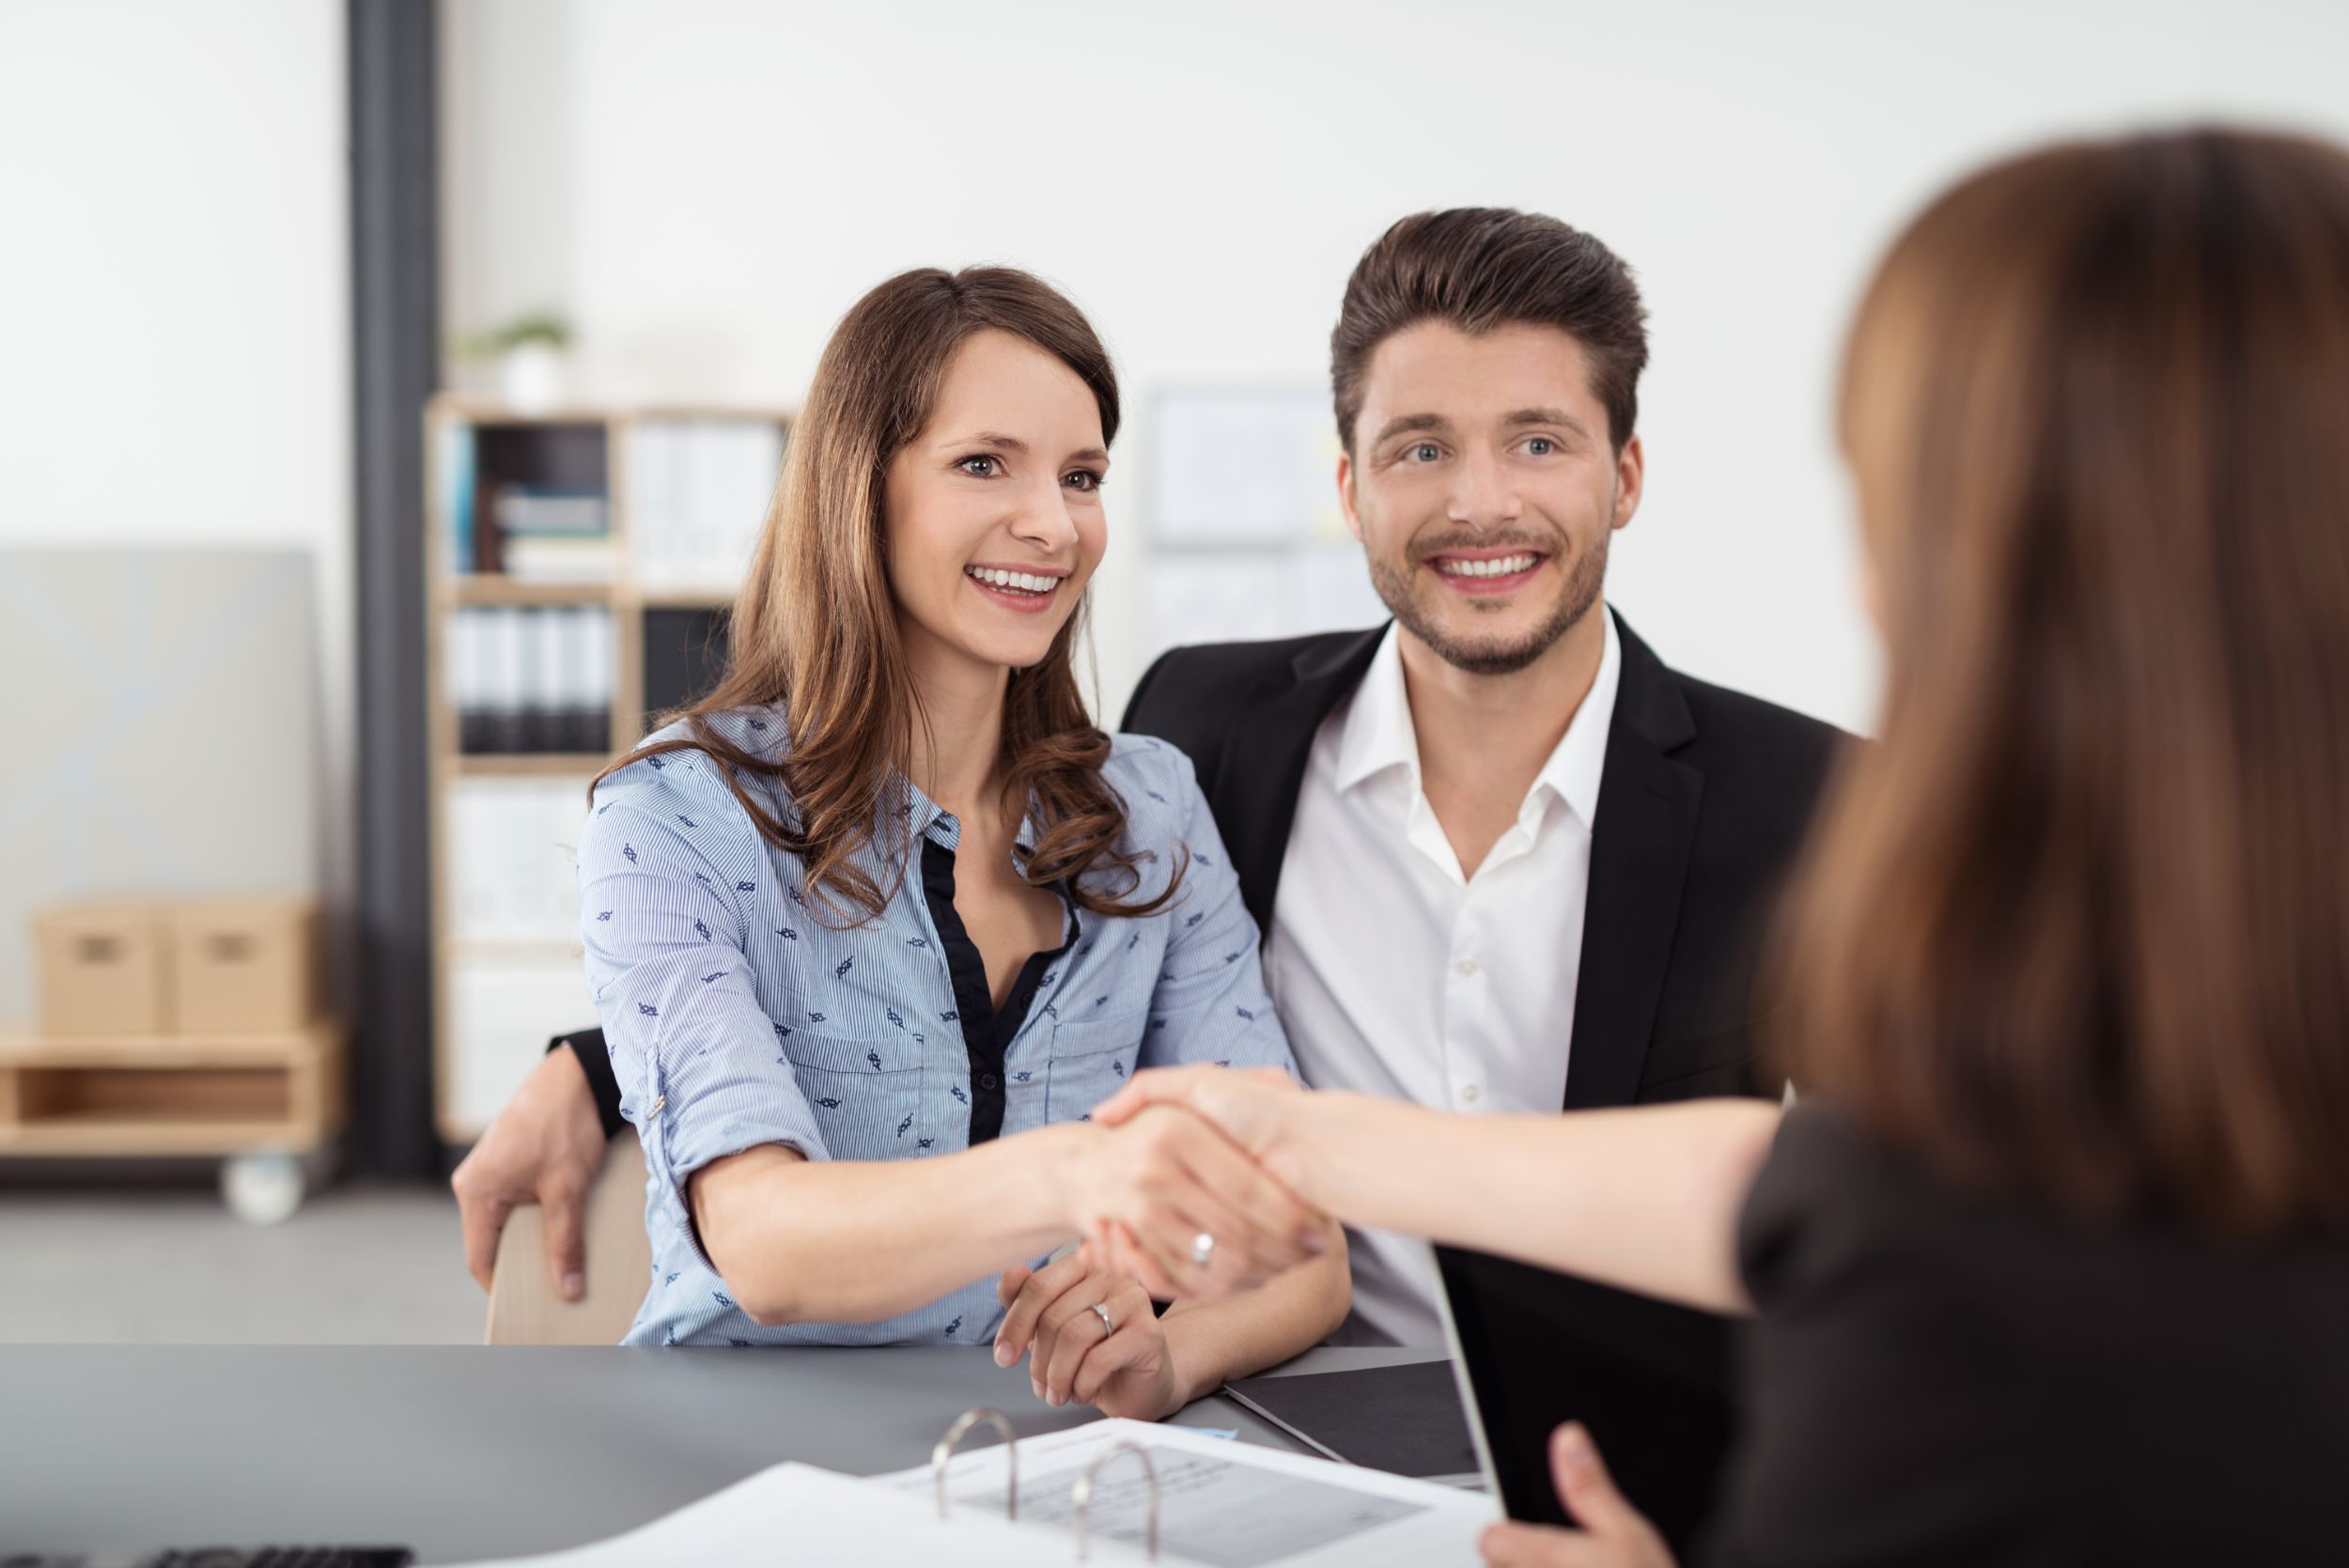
(524, 1306)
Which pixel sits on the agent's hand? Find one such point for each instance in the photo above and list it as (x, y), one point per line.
(545, 1147)
(1090, 1335)
(1253, 1106)
(1615, 1534)
(1173, 1202)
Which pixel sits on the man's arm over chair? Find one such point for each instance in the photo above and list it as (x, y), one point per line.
(545, 1147)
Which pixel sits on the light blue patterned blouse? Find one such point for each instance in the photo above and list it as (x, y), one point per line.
(736, 1018)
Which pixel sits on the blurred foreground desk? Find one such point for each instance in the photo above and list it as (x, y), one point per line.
(466, 1451)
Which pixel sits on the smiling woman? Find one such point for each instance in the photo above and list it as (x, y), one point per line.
(873, 927)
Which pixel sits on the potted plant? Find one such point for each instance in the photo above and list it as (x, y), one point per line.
(528, 350)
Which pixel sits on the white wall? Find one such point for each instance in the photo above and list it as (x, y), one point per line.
(705, 184)
(174, 333)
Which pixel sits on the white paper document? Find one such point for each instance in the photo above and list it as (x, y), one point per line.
(796, 1514)
(1221, 1505)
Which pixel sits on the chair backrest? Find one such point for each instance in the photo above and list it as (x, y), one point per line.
(524, 1306)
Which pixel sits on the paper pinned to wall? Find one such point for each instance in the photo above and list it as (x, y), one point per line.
(1239, 595)
(1242, 466)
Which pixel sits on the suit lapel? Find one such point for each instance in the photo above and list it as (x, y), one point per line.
(1639, 848)
(1261, 765)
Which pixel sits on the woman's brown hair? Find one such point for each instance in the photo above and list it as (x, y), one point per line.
(2079, 924)
(814, 630)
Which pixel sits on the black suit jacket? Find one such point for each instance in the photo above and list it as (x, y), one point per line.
(1705, 800)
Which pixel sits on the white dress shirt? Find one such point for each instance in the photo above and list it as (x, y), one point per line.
(1396, 975)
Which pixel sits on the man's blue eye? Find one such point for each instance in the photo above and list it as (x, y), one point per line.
(1541, 446)
(1424, 452)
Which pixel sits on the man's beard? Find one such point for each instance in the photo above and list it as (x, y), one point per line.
(1586, 573)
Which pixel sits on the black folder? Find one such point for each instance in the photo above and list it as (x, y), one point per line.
(1406, 1420)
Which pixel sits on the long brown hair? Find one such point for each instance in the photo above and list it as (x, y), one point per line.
(2079, 924)
(815, 630)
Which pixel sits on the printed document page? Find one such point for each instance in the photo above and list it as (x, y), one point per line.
(1221, 1504)
(795, 1513)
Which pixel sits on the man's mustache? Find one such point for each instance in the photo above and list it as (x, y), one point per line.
(1426, 549)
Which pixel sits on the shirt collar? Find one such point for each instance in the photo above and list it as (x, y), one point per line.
(926, 818)
(1379, 733)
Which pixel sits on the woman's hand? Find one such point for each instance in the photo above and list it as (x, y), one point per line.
(1175, 1203)
(1120, 1362)
(1254, 1107)
(1615, 1534)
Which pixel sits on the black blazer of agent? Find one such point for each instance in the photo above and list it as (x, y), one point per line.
(1704, 801)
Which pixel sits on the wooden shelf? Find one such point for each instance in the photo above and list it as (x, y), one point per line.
(170, 1095)
(491, 588)
(480, 409)
(528, 765)
(461, 462)
(162, 1051)
(489, 411)
(98, 1137)
(686, 598)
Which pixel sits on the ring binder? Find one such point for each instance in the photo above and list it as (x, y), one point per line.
(1080, 1499)
(1002, 1423)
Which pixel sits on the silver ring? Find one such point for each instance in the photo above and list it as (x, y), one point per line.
(1202, 1249)
(1100, 1309)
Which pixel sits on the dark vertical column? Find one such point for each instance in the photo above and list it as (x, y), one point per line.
(395, 263)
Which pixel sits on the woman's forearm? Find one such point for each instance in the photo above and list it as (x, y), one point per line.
(856, 1241)
(1289, 1314)
(1645, 1198)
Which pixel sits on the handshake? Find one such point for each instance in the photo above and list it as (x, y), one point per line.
(1198, 1192)
(1185, 1186)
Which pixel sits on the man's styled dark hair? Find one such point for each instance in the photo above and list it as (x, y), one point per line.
(1479, 268)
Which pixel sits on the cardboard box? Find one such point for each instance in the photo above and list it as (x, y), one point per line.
(104, 971)
(244, 967)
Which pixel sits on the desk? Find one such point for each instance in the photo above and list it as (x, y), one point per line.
(465, 1451)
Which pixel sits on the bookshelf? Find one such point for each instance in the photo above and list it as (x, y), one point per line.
(579, 565)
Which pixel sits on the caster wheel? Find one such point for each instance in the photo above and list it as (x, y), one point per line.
(263, 1189)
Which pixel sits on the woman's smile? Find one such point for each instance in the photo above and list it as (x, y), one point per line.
(1023, 592)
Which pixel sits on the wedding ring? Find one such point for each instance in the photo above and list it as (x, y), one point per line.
(1102, 1311)
(1202, 1249)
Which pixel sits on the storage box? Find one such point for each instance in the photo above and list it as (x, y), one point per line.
(103, 971)
(244, 968)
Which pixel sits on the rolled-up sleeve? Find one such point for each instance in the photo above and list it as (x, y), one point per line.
(700, 1070)
(1209, 1003)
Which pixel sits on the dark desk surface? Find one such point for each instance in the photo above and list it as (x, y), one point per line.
(464, 1451)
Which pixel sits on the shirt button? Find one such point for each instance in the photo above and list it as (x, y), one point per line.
(1466, 966)
(986, 1080)
(1469, 1093)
